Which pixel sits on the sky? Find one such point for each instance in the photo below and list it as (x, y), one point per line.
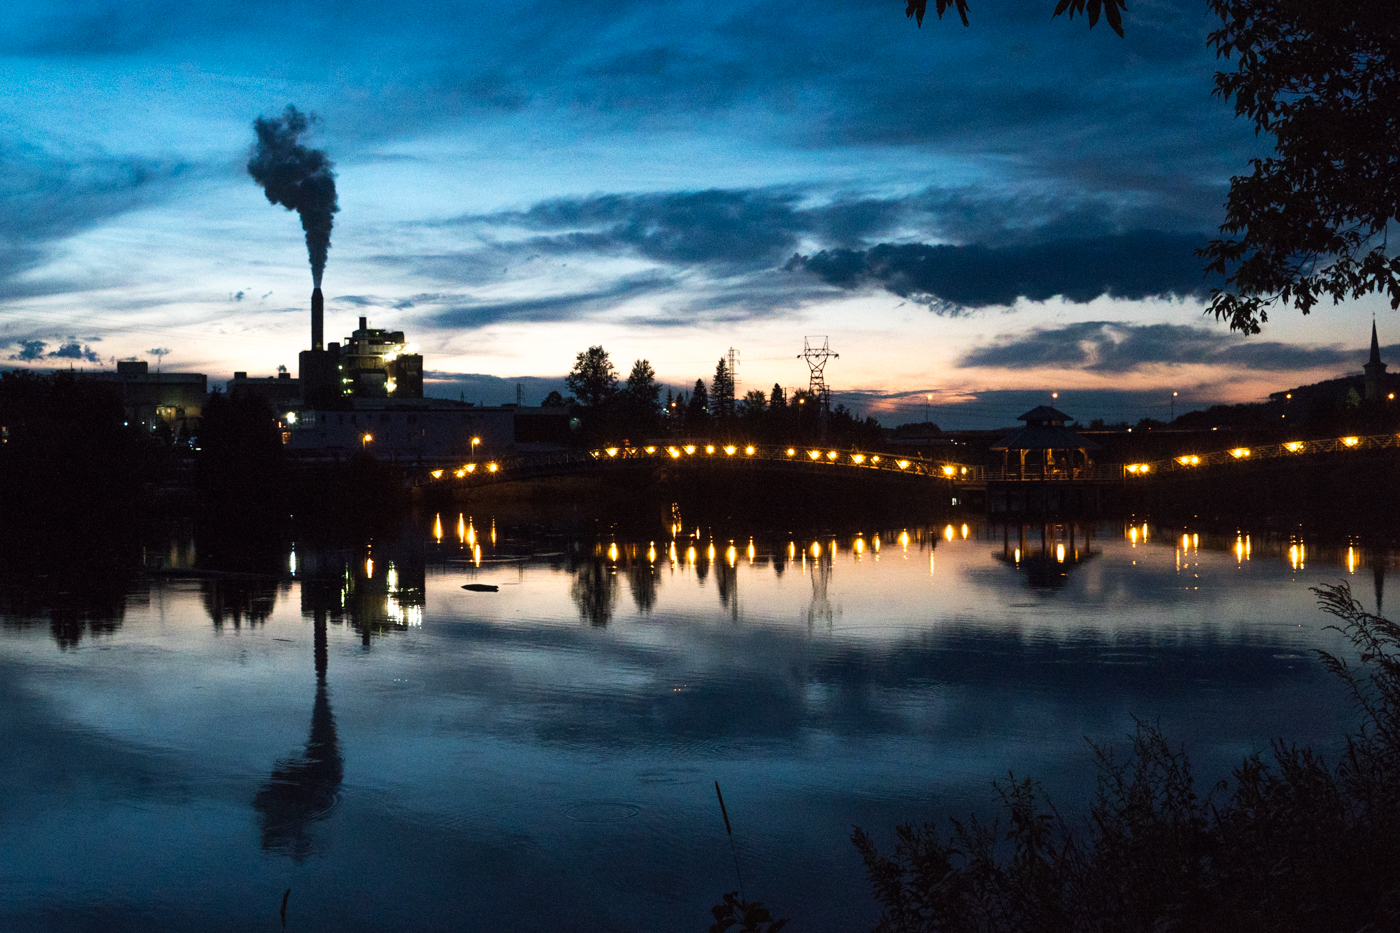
(983, 215)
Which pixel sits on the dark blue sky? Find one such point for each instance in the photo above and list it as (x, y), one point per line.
(1009, 207)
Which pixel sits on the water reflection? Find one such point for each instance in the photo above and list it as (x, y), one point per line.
(594, 588)
(304, 790)
(235, 600)
(1047, 553)
(375, 589)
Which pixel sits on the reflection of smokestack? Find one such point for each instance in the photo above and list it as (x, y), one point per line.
(318, 319)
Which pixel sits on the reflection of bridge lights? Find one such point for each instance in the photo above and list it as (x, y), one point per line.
(651, 552)
(948, 533)
(476, 556)
(1351, 441)
(731, 555)
(859, 546)
(792, 550)
(904, 540)
(1018, 555)
(964, 532)
(1060, 553)
(1351, 560)
(369, 568)
(710, 551)
(612, 552)
(1239, 453)
(437, 526)
(751, 551)
(816, 549)
(461, 528)
(901, 463)
(1132, 535)
(875, 543)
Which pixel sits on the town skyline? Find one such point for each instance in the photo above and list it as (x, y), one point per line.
(515, 188)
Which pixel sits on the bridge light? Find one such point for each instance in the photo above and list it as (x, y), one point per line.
(875, 459)
(1239, 453)
(710, 448)
(964, 469)
(791, 451)
(673, 452)
(748, 451)
(729, 450)
(470, 467)
(858, 458)
(459, 473)
(690, 448)
(832, 455)
(436, 474)
(492, 467)
(901, 463)
(650, 450)
(612, 451)
(949, 471)
(814, 454)
(1293, 446)
(1351, 441)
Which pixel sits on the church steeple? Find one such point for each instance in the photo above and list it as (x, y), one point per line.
(1374, 369)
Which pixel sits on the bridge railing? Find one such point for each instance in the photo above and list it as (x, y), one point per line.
(1242, 454)
(531, 465)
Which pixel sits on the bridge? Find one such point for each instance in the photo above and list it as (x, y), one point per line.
(810, 458)
(719, 455)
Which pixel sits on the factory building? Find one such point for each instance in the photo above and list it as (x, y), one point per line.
(152, 400)
(366, 395)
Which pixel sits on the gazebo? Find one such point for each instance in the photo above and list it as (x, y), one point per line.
(1045, 449)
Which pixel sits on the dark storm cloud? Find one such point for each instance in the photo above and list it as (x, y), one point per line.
(1103, 346)
(951, 278)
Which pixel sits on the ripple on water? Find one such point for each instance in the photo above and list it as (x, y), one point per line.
(602, 811)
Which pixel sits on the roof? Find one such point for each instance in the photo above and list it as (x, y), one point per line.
(1044, 437)
(1042, 414)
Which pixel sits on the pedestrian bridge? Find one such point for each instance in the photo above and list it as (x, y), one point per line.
(707, 454)
(851, 462)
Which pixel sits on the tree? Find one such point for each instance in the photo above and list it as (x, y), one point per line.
(640, 398)
(722, 391)
(698, 409)
(754, 404)
(777, 399)
(1311, 221)
(593, 380)
(553, 400)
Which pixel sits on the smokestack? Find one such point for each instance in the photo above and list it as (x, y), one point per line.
(318, 319)
(364, 323)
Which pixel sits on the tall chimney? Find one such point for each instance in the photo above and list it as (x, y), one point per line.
(318, 319)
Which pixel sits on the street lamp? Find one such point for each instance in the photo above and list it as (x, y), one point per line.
(364, 441)
(927, 399)
(475, 441)
(1173, 406)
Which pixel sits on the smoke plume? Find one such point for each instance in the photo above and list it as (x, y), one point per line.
(298, 178)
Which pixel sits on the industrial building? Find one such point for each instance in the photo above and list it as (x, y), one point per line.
(151, 400)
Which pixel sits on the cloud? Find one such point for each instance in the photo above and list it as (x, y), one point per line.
(45, 198)
(566, 307)
(75, 351)
(1108, 347)
(30, 350)
(1140, 264)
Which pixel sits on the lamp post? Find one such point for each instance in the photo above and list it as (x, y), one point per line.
(1173, 406)
(475, 441)
(364, 441)
(927, 399)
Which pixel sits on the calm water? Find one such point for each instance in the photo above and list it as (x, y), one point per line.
(405, 754)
